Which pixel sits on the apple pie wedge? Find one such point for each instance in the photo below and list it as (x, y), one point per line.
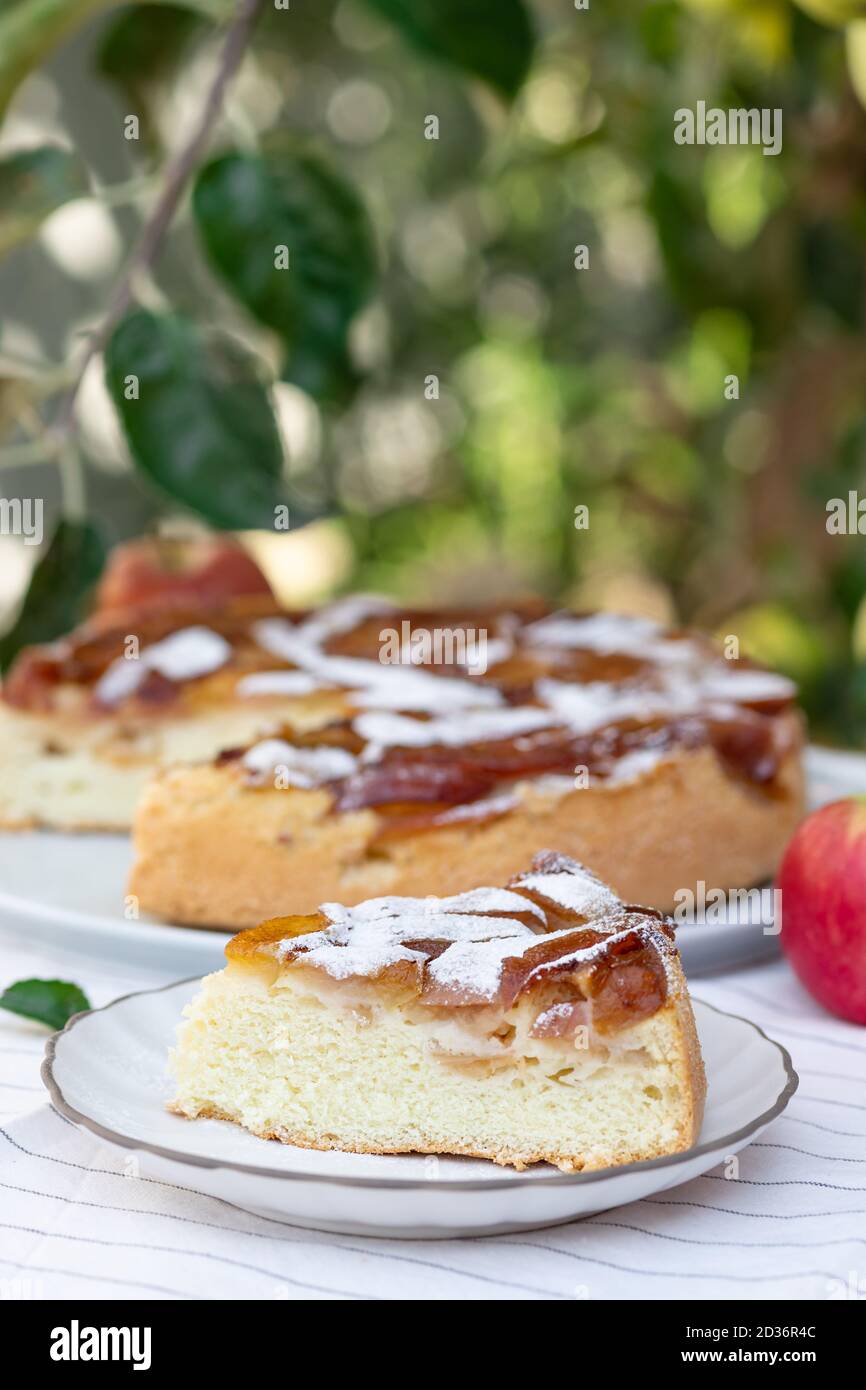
(542, 1022)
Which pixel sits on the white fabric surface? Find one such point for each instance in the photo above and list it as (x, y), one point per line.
(792, 1225)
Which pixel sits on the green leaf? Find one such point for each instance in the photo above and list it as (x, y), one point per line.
(144, 43)
(141, 49)
(59, 588)
(52, 1002)
(202, 427)
(32, 184)
(834, 12)
(491, 39)
(31, 29)
(247, 208)
(855, 50)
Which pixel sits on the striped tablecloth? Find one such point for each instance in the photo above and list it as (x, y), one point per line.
(792, 1225)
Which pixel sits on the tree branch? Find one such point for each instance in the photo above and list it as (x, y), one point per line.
(176, 178)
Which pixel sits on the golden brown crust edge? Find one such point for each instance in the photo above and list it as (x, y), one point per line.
(692, 1076)
(504, 1158)
(210, 852)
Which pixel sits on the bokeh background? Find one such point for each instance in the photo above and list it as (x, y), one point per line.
(558, 387)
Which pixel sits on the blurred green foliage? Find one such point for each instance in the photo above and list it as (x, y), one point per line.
(61, 583)
(495, 385)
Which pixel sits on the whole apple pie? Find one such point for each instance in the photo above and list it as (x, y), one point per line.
(364, 750)
(643, 753)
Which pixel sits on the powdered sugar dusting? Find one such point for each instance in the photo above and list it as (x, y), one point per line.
(678, 677)
(583, 708)
(475, 968)
(397, 706)
(598, 632)
(484, 806)
(747, 686)
(396, 688)
(277, 683)
(184, 655)
(297, 767)
(577, 891)
(477, 900)
(121, 679)
(372, 683)
(344, 615)
(586, 707)
(462, 941)
(634, 765)
(424, 926)
(395, 731)
(365, 960)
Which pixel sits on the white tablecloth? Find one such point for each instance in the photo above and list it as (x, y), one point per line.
(74, 1224)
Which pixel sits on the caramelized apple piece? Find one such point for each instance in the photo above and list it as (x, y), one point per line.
(628, 989)
(552, 957)
(270, 933)
(416, 780)
(746, 744)
(404, 819)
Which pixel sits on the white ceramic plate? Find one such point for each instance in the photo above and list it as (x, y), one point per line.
(68, 891)
(106, 1073)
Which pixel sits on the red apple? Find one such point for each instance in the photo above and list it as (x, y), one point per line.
(155, 573)
(823, 885)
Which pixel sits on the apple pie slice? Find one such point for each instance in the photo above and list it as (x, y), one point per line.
(543, 1022)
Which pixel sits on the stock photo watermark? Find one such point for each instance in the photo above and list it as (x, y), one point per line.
(21, 1289)
(437, 646)
(22, 517)
(846, 516)
(720, 906)
(713, 125)
(77, 1343)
